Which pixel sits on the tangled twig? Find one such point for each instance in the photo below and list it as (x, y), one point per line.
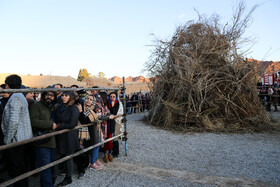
(203, 80)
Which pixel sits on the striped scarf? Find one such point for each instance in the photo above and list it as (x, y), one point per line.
(88, 112)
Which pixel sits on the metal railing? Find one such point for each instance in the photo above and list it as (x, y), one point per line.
(27, 174)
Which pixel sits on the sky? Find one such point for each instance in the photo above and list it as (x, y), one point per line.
(116, 37)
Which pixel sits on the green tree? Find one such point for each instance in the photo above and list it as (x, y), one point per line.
(80, 78)
(83, 74)
(101, 75)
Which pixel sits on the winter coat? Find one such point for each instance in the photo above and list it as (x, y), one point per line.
(16, 125)
(3, 102)
(117, 109)
(119, 127)
(67, 117)
(92, 129)
(41, 120)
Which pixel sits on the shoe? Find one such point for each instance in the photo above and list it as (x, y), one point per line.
(110, 157)
(95, 167)
(62, 172)
(81, 175)
(106, 159)
(53, 180)
(99, 163)
(66, 181)
(115, 155)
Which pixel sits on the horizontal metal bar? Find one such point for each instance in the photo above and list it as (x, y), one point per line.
(34, 139)
(269, 95)
(54, 89)
(11, 181)
(25, 175)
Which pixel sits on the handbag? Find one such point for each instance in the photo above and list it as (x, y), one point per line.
(83, 132)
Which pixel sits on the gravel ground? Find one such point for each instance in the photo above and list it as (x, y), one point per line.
(161, 158)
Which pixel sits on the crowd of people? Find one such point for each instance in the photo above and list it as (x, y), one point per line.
(138, 102)
(26, 115)
(269, 96)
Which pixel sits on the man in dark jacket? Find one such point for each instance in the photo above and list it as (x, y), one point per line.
(41, 120)
(78, 99)
(58, 85)
(97, 95)
(4, 97)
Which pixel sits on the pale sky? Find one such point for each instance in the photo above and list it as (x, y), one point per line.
(59, 37)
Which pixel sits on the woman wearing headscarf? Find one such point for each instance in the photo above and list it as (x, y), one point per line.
(105, 112)
(66, 117)
(116, 109)
(87, 116)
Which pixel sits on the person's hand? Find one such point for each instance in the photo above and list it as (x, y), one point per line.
(57, 125)
(116, 116)
(79, 107)
(54, 126)
(111, 117)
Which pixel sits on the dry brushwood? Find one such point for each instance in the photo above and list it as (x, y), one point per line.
(203, 81)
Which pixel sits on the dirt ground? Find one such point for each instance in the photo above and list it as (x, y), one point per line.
(162, 158)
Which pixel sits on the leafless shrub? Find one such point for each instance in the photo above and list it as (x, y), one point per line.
(203, 80)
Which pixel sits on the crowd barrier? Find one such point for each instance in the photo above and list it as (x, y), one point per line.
(27, 174)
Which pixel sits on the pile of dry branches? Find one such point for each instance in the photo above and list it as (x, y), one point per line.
(203, 81)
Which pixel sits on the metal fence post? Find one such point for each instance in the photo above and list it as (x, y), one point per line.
(124, 117)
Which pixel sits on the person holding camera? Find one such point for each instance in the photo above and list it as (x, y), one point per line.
(78, 99)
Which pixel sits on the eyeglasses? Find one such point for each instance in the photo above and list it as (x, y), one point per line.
(112, 96)
(64, 95)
